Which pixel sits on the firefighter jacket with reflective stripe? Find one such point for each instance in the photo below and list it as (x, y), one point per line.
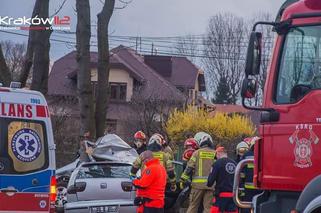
(249, 171)
(152, 183)
(170, 152)
(199, 167)
(164, 159)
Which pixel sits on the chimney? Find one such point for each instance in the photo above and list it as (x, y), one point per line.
(161, 64)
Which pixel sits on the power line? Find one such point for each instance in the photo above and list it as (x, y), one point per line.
(159, 52)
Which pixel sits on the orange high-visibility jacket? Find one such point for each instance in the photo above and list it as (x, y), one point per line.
(152, 183)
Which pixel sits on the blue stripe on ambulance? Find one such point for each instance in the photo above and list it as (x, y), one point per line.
(24, 182)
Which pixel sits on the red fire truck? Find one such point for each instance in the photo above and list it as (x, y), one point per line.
(287, 158)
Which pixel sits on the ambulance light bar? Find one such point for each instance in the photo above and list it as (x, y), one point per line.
(15, 85)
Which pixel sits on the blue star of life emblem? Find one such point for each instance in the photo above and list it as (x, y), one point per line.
(26, 145)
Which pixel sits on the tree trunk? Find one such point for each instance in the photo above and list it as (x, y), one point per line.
(85, 94)
(103, 66)
(41, 53)
(27, 64)
(5, 76)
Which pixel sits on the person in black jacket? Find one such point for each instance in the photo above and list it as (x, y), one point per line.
(222, 174)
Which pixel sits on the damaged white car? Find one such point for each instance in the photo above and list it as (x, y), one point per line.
(110, 160)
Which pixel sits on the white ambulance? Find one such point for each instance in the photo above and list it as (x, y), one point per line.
(27, 152)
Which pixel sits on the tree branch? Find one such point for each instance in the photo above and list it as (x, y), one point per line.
(58, 10)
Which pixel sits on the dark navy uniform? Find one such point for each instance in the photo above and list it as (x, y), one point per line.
(222, 174)
(249, 189)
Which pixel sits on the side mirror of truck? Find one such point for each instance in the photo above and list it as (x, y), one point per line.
(254, 51)
(249, 88)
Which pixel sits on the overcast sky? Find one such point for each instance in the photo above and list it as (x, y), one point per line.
(142, 17)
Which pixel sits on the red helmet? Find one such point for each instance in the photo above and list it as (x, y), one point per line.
(188, 154)
(140, 136)
(190, 143)
(251, 140)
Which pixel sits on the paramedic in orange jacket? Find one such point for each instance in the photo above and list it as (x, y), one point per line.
(151, 185)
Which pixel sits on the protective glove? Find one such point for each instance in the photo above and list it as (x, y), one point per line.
(132, 177)
(173, 187)
(181, 185)
(138, 201)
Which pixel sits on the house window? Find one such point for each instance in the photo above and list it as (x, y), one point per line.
(118, 91)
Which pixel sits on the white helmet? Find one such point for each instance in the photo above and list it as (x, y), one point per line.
(242, 147)
(202, 137)
(155, 142)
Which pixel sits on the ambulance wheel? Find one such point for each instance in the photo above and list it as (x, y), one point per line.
(61, 194)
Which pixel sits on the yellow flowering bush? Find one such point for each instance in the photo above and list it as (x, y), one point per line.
(222, 127)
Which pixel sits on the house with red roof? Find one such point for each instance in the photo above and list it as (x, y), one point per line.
(135, 81)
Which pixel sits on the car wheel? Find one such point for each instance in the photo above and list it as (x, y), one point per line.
(61, 199)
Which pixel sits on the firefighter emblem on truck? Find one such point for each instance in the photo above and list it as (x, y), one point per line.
(303, 146)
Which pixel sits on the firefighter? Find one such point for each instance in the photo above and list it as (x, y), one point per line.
(151, 185)
(190, 145)
(249, 188)
(166, 148)
(140, 142)
(222, 174)
(155, 145)
(198, 169)
(241, 149)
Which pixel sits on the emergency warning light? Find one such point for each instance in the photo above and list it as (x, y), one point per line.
(15, 85)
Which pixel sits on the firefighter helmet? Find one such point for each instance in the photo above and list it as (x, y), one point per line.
(202, 138)
(251, 140)
(242, 147)
(155, 142)
(139, 135)
(190, 143)
(188, 154)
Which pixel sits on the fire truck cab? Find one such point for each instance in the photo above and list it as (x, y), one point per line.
(27, 152)
(287, 157)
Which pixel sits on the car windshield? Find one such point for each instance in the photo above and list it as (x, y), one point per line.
(104, 171)
(300, 67)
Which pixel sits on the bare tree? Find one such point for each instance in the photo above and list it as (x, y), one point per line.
(224, 50)
(103, 66)
(14, 55)
(5, 76)
(84, 88)
(151, 113)
(28, 60)
(188, 45)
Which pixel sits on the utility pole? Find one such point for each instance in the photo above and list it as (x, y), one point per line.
(152, 48)
(136, 43)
